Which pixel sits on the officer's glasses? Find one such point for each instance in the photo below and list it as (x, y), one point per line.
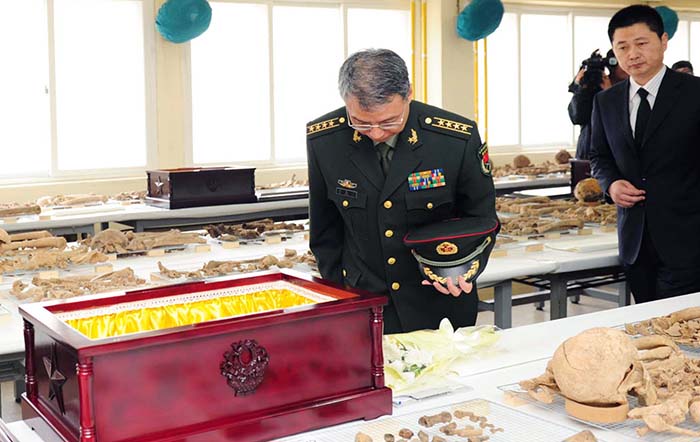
(383, 126)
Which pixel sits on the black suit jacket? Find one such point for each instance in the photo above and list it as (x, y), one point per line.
(358, 220)
(667, 166)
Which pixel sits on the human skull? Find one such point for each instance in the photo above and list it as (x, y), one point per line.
(599, 367)
(588, 190)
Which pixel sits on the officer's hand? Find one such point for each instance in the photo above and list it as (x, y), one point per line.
(452, 289)
(579, 76)
(624, 194)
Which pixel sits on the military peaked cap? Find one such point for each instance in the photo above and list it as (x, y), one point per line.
(453, 247)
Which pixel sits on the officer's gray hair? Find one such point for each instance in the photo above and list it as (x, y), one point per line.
(373, 77)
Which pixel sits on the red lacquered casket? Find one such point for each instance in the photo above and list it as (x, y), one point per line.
(252, 377)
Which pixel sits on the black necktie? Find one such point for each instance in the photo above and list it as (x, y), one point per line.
(384, 156)
(643, 114)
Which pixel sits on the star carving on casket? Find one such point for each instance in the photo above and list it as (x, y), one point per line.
(56, 379)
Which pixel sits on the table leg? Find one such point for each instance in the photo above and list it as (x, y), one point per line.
(624, 294)
(557, 297)
(503, 304)
(19, 389)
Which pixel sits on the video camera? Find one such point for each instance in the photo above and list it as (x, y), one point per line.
(595, 67)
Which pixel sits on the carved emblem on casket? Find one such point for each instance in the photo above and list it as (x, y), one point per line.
(159, 187)
(56, 378)
(244, 366)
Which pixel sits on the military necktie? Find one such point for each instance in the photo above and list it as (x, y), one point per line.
(643, 114)
(384, 156)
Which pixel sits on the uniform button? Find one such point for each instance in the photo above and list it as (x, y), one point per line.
(346, 203)
(387, 204)
(345, 273)
(389, 233)
(391, 261)
(428, 120)
(341, 120)
(429, 206)
(395, 286)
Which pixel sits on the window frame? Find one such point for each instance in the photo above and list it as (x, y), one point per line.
(273, 161)
(570, 13)
(53, 173)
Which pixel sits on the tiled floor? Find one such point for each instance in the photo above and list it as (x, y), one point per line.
(522, 315)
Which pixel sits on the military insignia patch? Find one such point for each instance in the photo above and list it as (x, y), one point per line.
(426, 179)
(356, 137)
(347, 184)
(484, 160)
(413, 139)
(446, 248)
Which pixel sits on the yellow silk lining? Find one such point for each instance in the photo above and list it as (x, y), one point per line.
(158, 318)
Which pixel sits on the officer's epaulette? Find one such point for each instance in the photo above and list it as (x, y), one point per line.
(326, 126)
(461, 129)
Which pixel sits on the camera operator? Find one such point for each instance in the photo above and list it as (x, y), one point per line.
(590, 80)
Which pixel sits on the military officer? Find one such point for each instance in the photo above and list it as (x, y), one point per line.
(381, 165)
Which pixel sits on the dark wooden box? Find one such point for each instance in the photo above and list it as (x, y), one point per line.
(196, 187)
(580, 170)
(324, 367)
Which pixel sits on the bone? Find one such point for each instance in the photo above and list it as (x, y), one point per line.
(30, 235)
(441, 418)
(53, 242)
(362, 437)
(11, 210)
(650, 342)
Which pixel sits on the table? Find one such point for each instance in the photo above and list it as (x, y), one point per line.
(510, 184)
(142, 216)
(521, 353)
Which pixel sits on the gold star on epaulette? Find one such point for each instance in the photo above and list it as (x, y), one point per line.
(449, 124)
(324, 125)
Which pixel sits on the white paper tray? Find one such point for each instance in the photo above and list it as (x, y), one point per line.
(517, 426)
(627, 428)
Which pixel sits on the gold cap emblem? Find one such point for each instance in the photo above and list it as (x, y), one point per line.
(446, 248)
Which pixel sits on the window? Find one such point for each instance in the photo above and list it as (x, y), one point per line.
(678, 46)
(100, 84)
(504, 84)
(231, 86)
(543, 64)
(531, 59)
(77, 98)
(380, 28)
(590, 33)
(24, 108)
(308, 49)
(279, 72)
(695, 48)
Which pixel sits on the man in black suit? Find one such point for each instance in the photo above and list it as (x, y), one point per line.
(645, 152)
(380, 165)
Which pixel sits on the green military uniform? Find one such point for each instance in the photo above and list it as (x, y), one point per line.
(439, 170)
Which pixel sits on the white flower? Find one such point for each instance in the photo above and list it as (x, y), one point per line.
(418, 357)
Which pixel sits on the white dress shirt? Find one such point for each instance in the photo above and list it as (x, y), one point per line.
(652, 87)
